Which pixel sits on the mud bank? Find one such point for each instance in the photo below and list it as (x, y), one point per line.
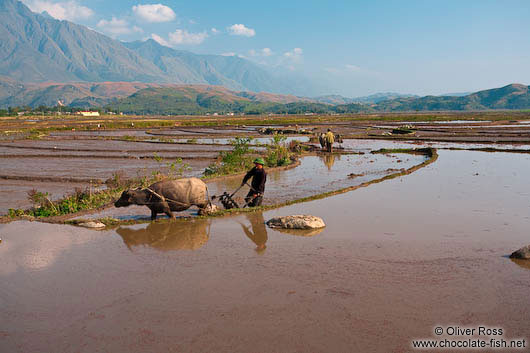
(396, 260)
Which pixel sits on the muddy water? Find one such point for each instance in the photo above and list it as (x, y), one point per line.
(256, 140)
(315, 175)
(84, 168)
(97, 133)
(366, 145)
(106, 145)
(318, 174)
(395, 260)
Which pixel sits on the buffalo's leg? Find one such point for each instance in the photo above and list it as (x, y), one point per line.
(167, 210)
(153, 215)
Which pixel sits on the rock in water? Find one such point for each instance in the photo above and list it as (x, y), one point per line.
(523, 253)
(210, 209)
(92, 224)
(296, 222)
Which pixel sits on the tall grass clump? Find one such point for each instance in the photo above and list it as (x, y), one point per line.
(240, 158)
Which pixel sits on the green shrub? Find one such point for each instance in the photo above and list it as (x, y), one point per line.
(237, 160)
(278, 153)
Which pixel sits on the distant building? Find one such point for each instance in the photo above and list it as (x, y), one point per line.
(89, 113)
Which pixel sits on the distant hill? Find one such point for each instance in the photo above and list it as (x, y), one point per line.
(514, 96)
(99, 94)
(208, 99)
(373, 98)
(38, 48)
(203, 99)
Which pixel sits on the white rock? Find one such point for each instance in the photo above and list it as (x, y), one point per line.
(296, 222)
(211, 208)
(92, 224)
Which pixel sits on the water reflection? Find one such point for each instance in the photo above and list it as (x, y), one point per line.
(522, 263)
(329, 159)
(257, 232)
(301, 232)
(168, 235)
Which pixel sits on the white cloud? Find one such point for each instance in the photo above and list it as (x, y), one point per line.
(160, 40)
(215, 31)
(352, 68)
(295, 55)
(234, 54)
(262, 52)
(332, 70)
(266, 52)
(65, 10)
(180, 37)
(117, 26)
(241, 30)
(154, 13)
(184, 37)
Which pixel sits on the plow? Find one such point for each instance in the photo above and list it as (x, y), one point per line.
(227, 200)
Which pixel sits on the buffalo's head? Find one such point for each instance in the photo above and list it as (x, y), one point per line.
(126, 199)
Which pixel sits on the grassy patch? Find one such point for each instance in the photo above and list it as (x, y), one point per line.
(241, 157)
(80, 200)
(88, 199)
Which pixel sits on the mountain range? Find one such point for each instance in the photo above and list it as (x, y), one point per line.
(44, 61)
(208, 99)
(37, 48)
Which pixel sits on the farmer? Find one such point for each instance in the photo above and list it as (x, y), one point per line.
(330, 139)
(257, 186)
(322, 140)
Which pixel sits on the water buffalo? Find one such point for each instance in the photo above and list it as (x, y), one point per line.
(168, 195)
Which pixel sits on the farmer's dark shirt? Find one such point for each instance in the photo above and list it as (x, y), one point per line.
(259, 177)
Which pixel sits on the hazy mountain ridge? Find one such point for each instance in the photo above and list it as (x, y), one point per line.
(169, 100)
(513, 96)
(373, 98)
(99, 94)
(38, 48)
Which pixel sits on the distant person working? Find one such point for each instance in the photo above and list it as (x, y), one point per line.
(257, 186)
(330, 139)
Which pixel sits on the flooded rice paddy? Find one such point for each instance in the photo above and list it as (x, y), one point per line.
(396, 258)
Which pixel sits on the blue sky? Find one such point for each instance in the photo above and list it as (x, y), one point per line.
(352, 48)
